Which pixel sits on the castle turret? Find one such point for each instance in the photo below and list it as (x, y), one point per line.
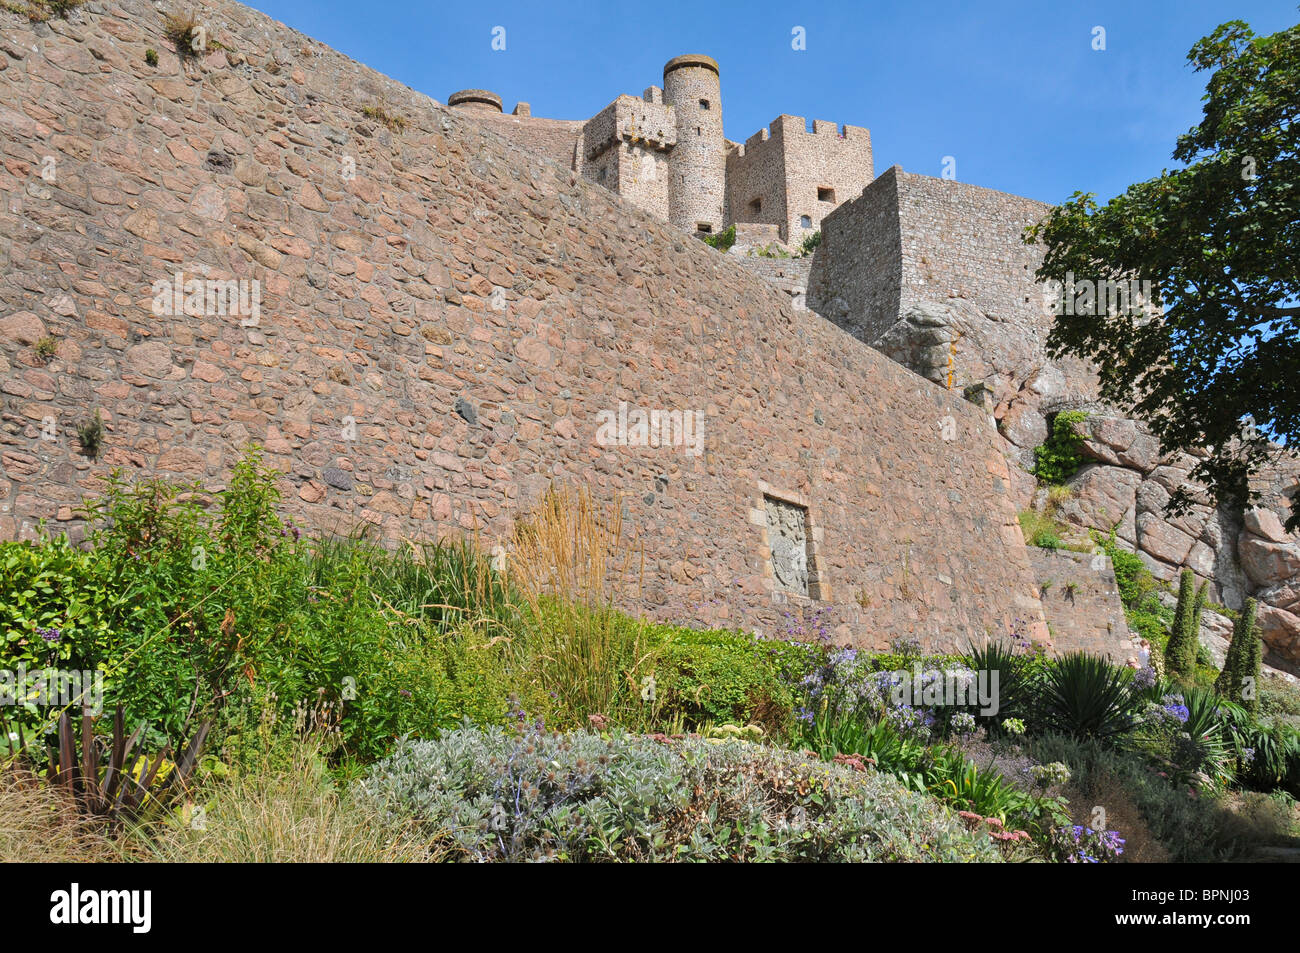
(481, 99)
(697, 164)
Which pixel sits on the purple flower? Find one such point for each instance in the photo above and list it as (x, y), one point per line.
(49, 635)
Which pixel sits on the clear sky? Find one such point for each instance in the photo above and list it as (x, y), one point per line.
(1013, 91)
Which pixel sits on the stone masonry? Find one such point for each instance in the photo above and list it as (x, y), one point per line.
(442, 317)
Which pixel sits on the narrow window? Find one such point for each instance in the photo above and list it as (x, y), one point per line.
(704, 228)
(825, 194)
(704, 104)
(805, 221)
(756, 206)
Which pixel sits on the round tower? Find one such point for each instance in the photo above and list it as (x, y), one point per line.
(481, 99)
(697, 164)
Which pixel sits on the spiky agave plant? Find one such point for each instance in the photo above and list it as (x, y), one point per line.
(1087, 697)
(1202, 744)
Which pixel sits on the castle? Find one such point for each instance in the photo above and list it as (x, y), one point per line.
(665, 152)
(452, 302)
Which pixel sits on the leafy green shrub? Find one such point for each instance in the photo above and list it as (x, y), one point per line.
(1058, 458)
(56, 606)
(1267, 756)
(719, 676)
(193, 606)
(492, 795)
(723, 240)
(1087, 697)
(1138, 591)
(810, 243)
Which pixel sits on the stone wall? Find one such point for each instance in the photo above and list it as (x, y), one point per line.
(559, 140)
(1081, 600)
(444, 318)
(787, 275)
(857, 273)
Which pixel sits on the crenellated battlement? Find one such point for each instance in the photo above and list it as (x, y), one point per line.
(664, 151)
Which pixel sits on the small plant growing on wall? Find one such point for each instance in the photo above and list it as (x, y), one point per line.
(38, 11)
(1058, 458)
(189, 36)
(91, 434)
(809, 244)
(723, 240)
(151, 56)
(45, 349)
(380, 113)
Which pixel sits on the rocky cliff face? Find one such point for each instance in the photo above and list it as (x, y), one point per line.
(1126, 482)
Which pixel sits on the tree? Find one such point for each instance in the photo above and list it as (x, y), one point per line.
(1219, 240)
(1184, 637)
(1242, 659)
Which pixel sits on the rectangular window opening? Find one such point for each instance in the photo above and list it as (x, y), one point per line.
(825, 195)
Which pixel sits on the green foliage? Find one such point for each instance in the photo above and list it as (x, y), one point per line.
(1267, 756)
(1021, 679)
(1184, 639)
(1216, 239)
(1201, 746)
(1058, 458)
(45, 349)
(193, 605)
(810, 244)
(151, 56)
(1138, 591)
(727, 677)
(1242, 661)
(53, 587)
(1087, 697)
(1040, 529)
(942, 772)
(723, 240)
(492, 795)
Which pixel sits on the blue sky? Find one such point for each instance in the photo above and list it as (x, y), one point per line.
(1013, 91)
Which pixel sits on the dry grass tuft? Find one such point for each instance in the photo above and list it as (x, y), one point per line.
(41, 824)
(573, 549)
(1122, 814)
(380, 112)
(288, 811)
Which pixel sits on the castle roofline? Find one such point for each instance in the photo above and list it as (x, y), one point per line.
(692, 59)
